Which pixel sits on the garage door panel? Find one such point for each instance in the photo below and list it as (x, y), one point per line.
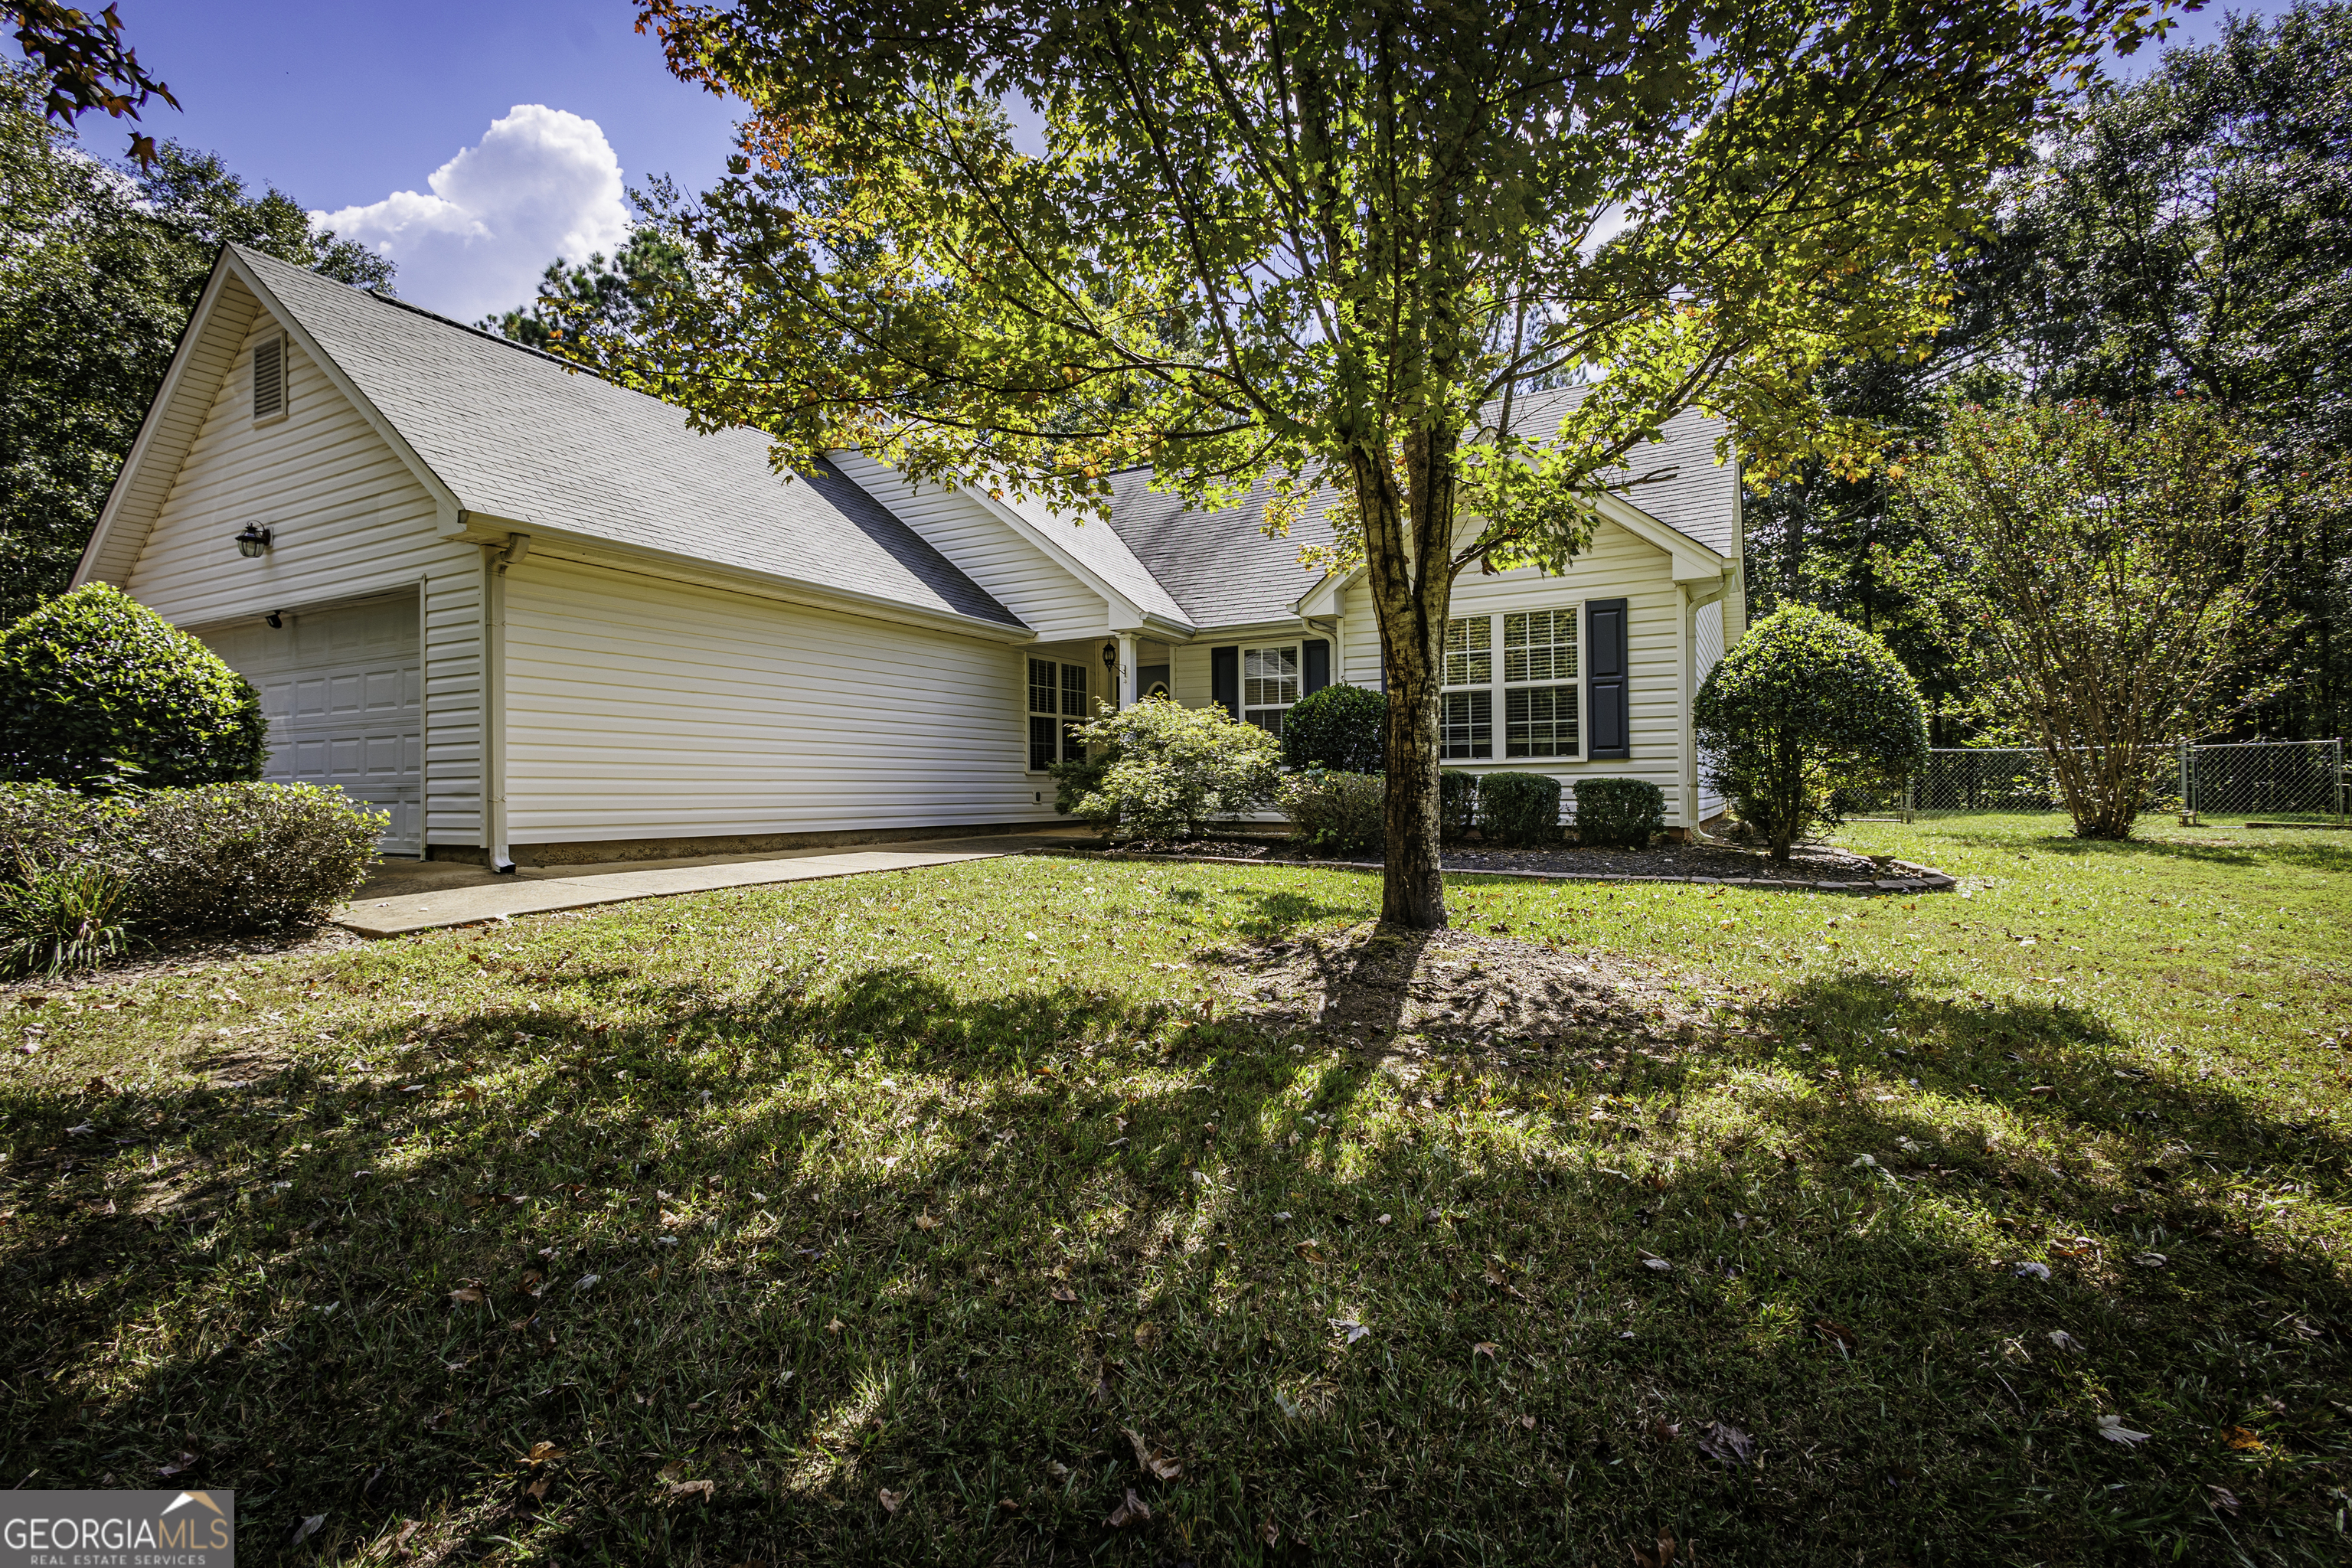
(344, 692)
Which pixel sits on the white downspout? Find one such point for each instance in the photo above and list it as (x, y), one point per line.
(497, 560)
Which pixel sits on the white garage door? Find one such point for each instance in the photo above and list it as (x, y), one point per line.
(344, 692)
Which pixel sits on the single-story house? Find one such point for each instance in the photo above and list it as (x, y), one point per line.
(534, 617)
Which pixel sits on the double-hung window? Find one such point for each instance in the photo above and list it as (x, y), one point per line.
(1269, 685)
(1532, 684)
(1057, 699)
(1465, 709)
(1539, 683)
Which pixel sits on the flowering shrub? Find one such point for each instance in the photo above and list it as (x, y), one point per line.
(1803, 705)
(1160, 770)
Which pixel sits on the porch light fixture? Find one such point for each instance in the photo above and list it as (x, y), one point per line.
(1110, 657)
(274, 620)
(253, 541)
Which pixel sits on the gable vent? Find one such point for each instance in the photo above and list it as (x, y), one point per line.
(268, 378)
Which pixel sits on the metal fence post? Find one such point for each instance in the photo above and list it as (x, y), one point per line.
(1910, 787)
(2188, 766)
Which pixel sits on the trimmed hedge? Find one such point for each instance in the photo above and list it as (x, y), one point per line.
(1621, 813)
(1341, 728)
(1457, 805)
(1335, 810)
(1519, 808)
(235, 858)
(97, 691)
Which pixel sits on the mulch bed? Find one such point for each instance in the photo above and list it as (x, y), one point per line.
(1810, 865)
(1386, 990)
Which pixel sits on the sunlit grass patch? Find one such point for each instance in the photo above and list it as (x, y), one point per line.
(959, 1184)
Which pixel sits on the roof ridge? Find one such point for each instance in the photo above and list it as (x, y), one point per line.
(398, 303)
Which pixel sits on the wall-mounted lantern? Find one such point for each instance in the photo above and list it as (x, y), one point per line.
(253, 541)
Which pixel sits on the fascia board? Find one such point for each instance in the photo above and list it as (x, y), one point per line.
(110, 516)
(1123, 614)
(481, 528)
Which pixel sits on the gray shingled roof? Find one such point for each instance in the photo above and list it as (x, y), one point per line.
(516, 435)
(1224, 572)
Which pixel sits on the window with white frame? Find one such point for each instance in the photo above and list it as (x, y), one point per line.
(1057, 699)
(1466, 709)
(1539, 709)
(1269, 685)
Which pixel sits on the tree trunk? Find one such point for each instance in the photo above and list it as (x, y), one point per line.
(1412, 889)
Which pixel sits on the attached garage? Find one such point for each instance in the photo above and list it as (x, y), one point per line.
(344, 692)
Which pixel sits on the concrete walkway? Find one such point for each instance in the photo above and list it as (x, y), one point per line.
(411, 896)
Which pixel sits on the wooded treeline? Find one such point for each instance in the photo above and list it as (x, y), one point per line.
(2190, 237)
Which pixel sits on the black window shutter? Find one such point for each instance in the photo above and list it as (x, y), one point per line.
(1608, 711)
(1226, 679)
(1319, 664)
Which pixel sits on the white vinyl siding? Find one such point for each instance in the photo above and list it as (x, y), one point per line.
(641, 709)
(351, 522)
(1618, 565)
(1009, 569)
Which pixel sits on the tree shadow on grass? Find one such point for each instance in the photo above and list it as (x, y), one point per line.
(769, 1314)
(2327, 858)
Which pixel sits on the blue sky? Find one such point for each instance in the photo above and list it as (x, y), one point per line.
(475, 141)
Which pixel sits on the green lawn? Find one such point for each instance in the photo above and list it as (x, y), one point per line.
(930, 1189)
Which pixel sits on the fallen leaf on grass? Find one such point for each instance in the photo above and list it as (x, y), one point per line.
(2224, 1498)
(2151, 1261)
(889, 1499)
(1352, 1330)
(2033, 1271)
(542, 1452)
(1148, 1462)
(1662, 1557)
(538, 1489)
(586, 1282)
(1312, 1253)
(1134, 1510)
(2241, 1439)
(1720, 1440)
(925, 1222)
(2113, 1430)
(1656, 1264)
(1268, 1533)
(1528, 1422)
(180, 1465)
(836, 1326)
(1486, 1348)
(308, 1528)
(2064, 1341)
(467, 1295)
(408, 1527)
(1840, 1337)
(1664, 1430)
(702, 1489)
(1063, 1294)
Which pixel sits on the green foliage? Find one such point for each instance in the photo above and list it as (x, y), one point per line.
(95, 687)
(1803, 705)
(1167, 771)
(99, 267)
(54, 918)
(237, 858)
(1342, 727)
(597, 298)
(1457, 805)
(1519, 808)
(1333, 810)
(2110, 569)
(1621, 814)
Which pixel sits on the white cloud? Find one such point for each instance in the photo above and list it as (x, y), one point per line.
(542, 184)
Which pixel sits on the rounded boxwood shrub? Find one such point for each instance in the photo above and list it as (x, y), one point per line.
(1619, 814)
(1161, 770)
(1519, 808)
(1342, 727)
(96, 690)
(1806, 705)
(1334, 810)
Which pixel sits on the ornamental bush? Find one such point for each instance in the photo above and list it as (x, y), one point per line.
(1335, 811)
(1619, 814)
(1341, 728)
(1457, 805)
(237, 858)
(1803, 706)
(1163, 771)
(95, 689)
(1519, 808)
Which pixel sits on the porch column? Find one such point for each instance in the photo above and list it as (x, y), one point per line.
(1127, 656)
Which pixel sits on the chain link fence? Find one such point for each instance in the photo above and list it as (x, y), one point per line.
(2227, 782)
